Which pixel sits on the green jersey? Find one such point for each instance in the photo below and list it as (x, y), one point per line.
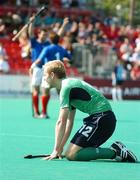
(77, 94)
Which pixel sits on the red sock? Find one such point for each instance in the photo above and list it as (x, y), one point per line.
(45, 100)
(35, 103)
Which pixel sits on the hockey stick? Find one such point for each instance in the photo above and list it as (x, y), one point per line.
(29, 22)
(30, 156)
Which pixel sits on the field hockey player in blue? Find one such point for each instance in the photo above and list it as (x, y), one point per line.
(49, 53)
(37, 45)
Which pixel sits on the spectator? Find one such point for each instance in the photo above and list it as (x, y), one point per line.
(135, 71)
(8, 19)
(118, 77)
(2, 28)
(25, 45)
(108, 20)
(17, 20)
(52, 18)
(4, 66)
(121, 34)
(136, 55)
(66, 43)
(97, 29)
(126, 50)
(82, 4)
(129, 32)
(56, 3)
(137, 40)
(74, 3)
(89, 29)
(81, 39)
(113, 32)
(65, 3)
(56, 27)
(73, 31)
(82, 30)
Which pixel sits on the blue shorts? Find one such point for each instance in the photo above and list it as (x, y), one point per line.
(96, 130)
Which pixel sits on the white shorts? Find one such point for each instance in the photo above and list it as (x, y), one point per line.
(37, 76)
(44, 84)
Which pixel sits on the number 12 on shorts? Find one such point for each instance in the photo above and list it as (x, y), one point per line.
(85, 130)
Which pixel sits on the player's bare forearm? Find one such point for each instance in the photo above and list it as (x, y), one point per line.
(30, 28)
(62, 28)
(69, 127)
(59, 133)
(30, 31)
(33, 66)
(24, 29)
(28, 23)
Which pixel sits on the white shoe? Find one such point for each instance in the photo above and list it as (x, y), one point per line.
(36, 115)
(44, 116)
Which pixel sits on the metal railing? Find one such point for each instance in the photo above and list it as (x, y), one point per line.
(93, 62)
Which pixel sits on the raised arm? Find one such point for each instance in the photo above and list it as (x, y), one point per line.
(62, 28)
(24, 29)
(30, 28)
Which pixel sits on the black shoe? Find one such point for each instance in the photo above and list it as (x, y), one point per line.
(122, 153)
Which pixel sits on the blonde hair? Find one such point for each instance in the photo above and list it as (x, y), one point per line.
(57, 67)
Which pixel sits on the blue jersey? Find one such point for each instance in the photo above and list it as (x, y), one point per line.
(36, 48)
(119, 72)
(53, 52)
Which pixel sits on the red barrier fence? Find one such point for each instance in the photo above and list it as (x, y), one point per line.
(131, 89)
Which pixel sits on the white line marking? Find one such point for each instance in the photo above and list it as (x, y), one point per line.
(23, 135)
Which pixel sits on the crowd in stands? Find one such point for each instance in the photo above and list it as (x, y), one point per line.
(4, 66)
(54, 3)
(92, 30)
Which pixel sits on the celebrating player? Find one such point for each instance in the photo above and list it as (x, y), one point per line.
(37, 45)
(97, 128)
(49, 53)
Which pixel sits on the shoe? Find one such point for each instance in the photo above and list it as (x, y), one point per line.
(44, 116)
(36, 115)
(122, 153)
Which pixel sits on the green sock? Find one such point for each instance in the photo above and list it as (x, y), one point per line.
(87, 154)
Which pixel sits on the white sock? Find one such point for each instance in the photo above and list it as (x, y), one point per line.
(119, 94)
(114, 94)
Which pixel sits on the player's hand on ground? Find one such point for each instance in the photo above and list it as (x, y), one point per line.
(53, 155)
